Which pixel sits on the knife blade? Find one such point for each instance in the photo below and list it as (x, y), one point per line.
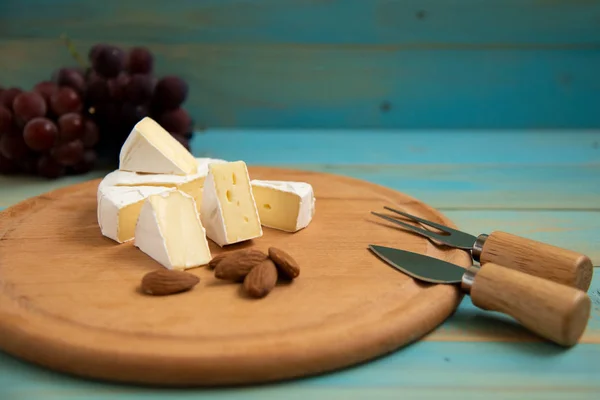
(551, 310)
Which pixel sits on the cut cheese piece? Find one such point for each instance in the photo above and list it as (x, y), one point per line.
(169, 230)
(191, 184)
(119, 207)
(228, 209)
(151, 149)
(288, 206)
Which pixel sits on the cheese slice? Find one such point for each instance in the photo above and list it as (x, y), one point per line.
(119, 208)
(191, 184)
(228, 210)
(169, 230)
(149, 148)
(287, 206)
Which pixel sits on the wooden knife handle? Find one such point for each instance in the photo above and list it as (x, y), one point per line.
(537, 258)
(554, 311)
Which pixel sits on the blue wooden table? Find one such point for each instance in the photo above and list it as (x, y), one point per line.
(542, 185)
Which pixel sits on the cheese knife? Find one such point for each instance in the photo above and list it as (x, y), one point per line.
(554, 311)
(511, 251)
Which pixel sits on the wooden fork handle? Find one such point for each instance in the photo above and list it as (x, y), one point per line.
(553, 311)
(538, 259)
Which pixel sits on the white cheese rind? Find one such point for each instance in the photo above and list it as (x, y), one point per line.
(149, 148)
(129, 178)
(212, 213)
(306, 196)
(112, 200)
(170, 231)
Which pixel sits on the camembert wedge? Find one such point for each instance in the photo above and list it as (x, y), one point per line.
(169, 230)
(287, 206)
(119, 208)
(191, 184)
(228, 210)
(149, 148)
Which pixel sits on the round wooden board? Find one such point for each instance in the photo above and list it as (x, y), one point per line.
(70, 300)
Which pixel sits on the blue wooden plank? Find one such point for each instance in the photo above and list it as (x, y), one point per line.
(449, 170)
(274, 21)
(380, 148)
(332, 86)
(424, 370)
(482, 186)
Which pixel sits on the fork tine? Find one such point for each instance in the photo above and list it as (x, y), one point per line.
(421, 231)
(443, 228)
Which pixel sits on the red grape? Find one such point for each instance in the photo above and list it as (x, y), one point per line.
(140, 89)
(49, 168)
(176, 121)
(46, 88)
(72, 78)
(95, 50)
(70, 126)
(8, 96)
(98, 91)
(108, 61)
(131, 114)
(13, 146)
(170, 93)
(106, 113)
(69, 153)
(28, 164)
(87, 162)
(6, 120)
(140, 61)
(117, 87)
(29, 105)
(91, 134)
(65, 100)
(40, 134)
(8, 166)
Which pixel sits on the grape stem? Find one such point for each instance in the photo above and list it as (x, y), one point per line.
(73, 51)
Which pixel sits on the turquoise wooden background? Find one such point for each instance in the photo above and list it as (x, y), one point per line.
(343, 64)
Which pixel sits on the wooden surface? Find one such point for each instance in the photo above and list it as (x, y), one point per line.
(538, 184)
(355, 64)
(346, 307)
(540, 259)
(554, 311)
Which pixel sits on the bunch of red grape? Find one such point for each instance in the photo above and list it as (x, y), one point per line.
(62, 125)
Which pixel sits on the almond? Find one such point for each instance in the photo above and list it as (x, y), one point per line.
(216, 260)
(165, 281)
(261, 279)
(236, 265)
(287, 266)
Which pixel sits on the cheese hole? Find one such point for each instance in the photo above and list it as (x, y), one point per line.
(267, 206)
(245, 219)
(228, 194)
(238, 203)
(233, 178)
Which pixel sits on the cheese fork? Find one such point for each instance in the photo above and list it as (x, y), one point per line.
(511, 251)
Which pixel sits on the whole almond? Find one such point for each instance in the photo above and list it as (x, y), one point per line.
(287, 266)
(165, 281)
(216, 260)
(261, 279)
(238, 264)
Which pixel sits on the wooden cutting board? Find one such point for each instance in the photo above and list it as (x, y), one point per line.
(70, 300)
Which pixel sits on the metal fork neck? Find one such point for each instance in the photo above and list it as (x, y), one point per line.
(478, 246)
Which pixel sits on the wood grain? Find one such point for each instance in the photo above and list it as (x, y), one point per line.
(554, 263)
(330, 86)
(61, 279)
(532, 22)
(554, 311)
